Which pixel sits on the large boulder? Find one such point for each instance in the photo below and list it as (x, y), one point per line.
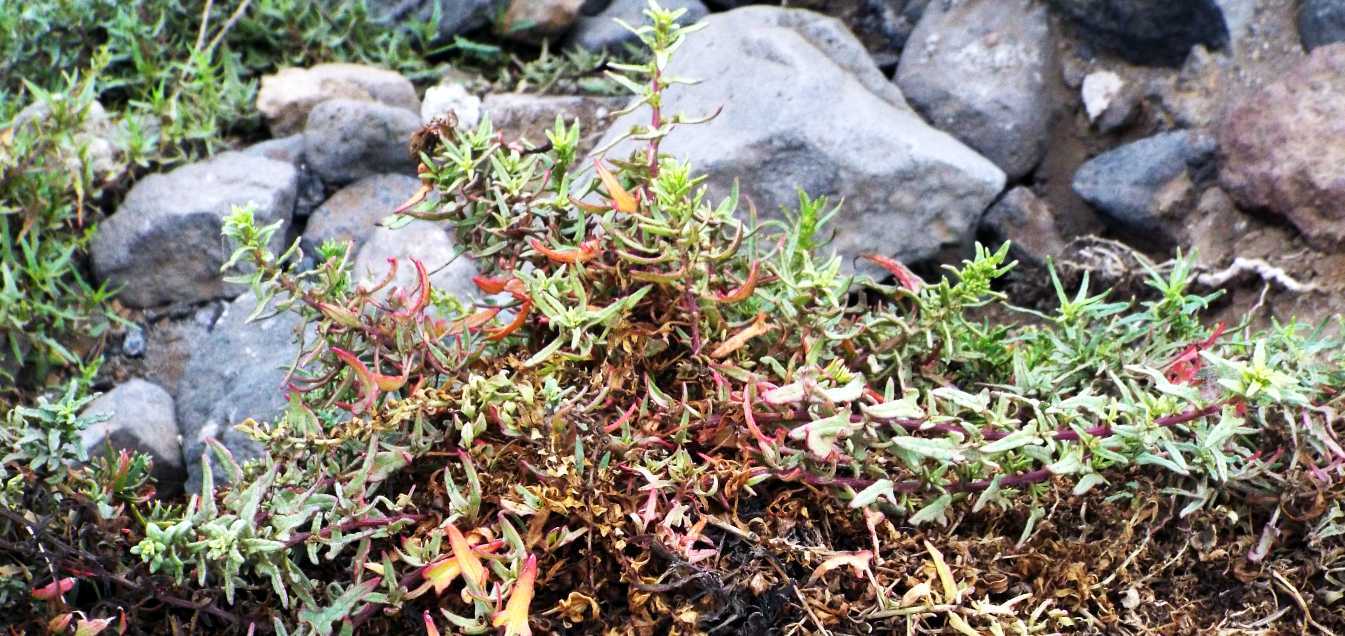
(237, 373)
(602, 32)
(138, 416)
(804, 107)
(354, 211)
(1283, 147)
(978, 69)
(286, 97)
(1155, 32)
(1321, 22)
(1147, 186)
(163, 245)
(347, 139)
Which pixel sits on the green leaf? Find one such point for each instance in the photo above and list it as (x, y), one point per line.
(341, 607)
(940, 449)
(933, 511)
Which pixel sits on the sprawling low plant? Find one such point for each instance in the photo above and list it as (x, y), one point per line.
(653, 414)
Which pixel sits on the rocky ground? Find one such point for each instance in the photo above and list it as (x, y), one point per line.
(1103, 135)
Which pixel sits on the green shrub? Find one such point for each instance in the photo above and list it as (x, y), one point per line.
(661, 415)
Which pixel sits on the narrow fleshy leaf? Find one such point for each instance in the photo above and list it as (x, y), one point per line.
(514, 618)
(621, 199)
(472, 569)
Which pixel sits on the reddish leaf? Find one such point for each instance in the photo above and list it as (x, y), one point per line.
(520, 319)
(586, 251)
(905, 277)
(55, 589)
(744, 291)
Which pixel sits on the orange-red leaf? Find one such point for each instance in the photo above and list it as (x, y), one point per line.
(621, 199)
(520, 319)
(430, 628)
(514, 618)
(468, 563)
(584, 253)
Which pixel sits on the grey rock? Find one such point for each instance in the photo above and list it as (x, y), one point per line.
(1321, 22)
(1028, 223)
(164, 245)
(522, 117)
(348, 139)
(286, 97)
(601, 32)
(353, 212)
(1153, 32)
(1145, 186)
(978, 69)
(139, 417)
(235, 374)
(309, 193)
(428, 242)
(796, 115)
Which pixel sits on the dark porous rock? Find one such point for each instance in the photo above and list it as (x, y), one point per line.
(310, 192)
(601, 32)
(352, 214)
(523, 117)
(1027, 223)
(286, 97)
(1145, 187)
(163, 245)
(236, 373)
(804, 107)
(1321, 22)
(882, 26)
(977, 69)
(139, 417)
(348, 139)
(455, 16)
(1153, 32)
(1283, 147)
